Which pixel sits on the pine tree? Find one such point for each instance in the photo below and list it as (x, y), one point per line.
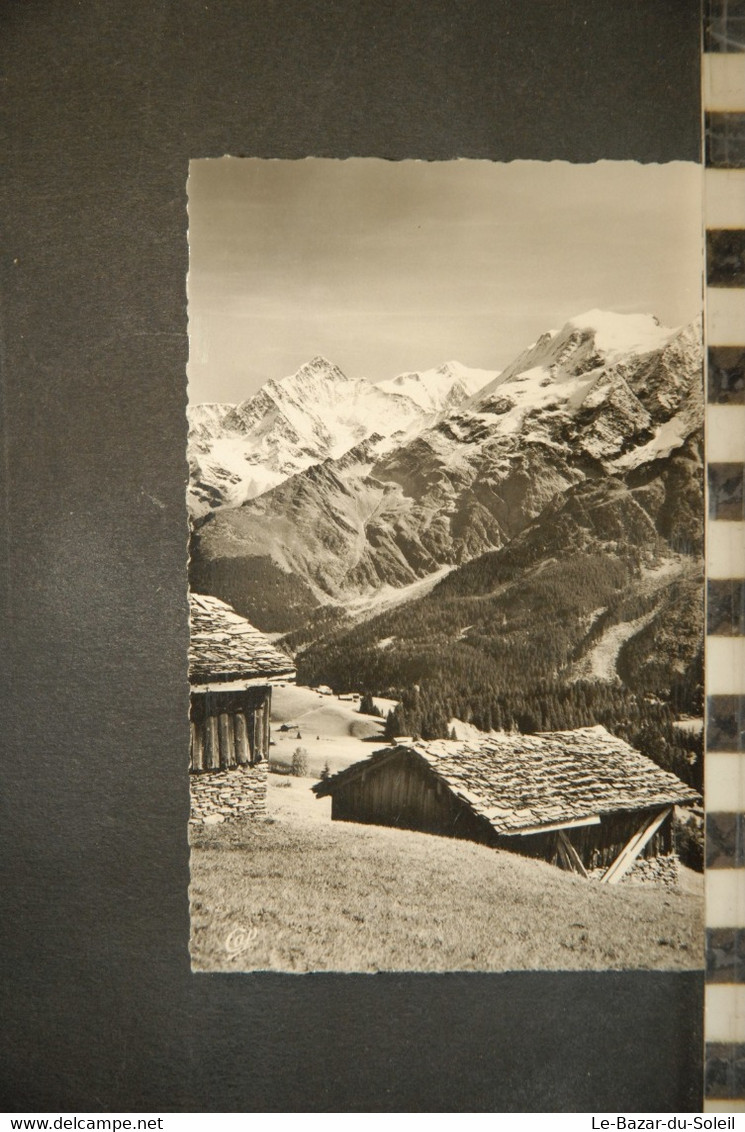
(300, 762)
(368, 706)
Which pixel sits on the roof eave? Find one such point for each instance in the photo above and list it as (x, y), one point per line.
(327, 786)
(233, 683)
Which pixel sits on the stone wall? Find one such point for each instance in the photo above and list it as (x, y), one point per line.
(664, 870)
(218, 795)
(659, 870)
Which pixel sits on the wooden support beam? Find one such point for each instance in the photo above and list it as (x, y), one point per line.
(631, 851)
(575, 861)
(267, 725)
(548, 827)
(561, 855)
(256, 735)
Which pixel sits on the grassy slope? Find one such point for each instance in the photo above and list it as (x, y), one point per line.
(316, 895)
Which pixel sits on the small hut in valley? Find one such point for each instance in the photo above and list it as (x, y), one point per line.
(232, 667)
(580, 799)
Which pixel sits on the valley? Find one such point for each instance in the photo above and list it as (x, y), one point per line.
(510, 549)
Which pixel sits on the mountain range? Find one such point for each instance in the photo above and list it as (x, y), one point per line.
(516, 548)
(367, 489)
(237, 452)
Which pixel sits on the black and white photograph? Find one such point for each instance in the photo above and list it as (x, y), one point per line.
(281, 519)
(446, 565)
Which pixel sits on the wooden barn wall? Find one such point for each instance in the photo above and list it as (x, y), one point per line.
(229, 729)
(597, 845)
(405, 793)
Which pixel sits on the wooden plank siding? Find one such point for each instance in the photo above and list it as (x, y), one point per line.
(242, 745)
(197, 747)
(406, 794)
(225, 740)
(229, 729)
(211, 743)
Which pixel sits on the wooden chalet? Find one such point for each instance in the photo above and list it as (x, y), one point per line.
(580, 799)
(232, 667)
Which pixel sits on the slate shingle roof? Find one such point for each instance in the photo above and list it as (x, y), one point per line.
(520, 781)
(224, 646)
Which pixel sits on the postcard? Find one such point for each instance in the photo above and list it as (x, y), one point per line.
(446, 565)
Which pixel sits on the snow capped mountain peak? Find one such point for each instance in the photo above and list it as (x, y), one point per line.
(561, 364)
(473, 379)
(623, 376)
(317, 413)
(435, 390)
(617, 334)
(207, 413)
(317, 368)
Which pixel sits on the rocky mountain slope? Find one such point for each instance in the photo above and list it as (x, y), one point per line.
(237, 452)
(589, 615)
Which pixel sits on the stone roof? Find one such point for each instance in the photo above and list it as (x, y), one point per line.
(225, 647)
(517, 781)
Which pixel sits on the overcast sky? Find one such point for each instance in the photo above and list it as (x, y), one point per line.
(385, 267)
